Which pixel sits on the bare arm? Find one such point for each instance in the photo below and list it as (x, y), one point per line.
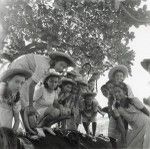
(120, 125)
(16, 119)
(145, 111)
(31, 92)
(44, 103)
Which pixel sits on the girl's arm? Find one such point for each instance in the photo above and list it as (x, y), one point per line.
(139, 105)
(26, 120)
(17, 121)
(43, 102)
(145, 111)
(121, 129)
(120, 125)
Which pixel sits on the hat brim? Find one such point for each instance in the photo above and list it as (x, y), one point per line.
(82, 82)
(51, 75)
(65, 56)
(67, 81)
(8, 74)
(121, 68)
(71, 73)
(145, 64)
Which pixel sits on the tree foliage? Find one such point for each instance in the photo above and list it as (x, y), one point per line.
(90, 30)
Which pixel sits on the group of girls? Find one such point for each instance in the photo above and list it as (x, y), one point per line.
(36, 87)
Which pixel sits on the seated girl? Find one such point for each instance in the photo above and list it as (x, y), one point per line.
(89, 109)
(65, 102)
(137, 116)
(44, 96)
(10, 85)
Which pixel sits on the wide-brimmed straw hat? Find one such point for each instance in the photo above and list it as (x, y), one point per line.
(121, 68)
(68, 59)
(87, 94)
(10, 73)
(52, 73)
(145, 64)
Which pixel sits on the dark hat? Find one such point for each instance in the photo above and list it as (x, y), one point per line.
(10, 73)
(87, 94)
(68, 59)
(145, 64)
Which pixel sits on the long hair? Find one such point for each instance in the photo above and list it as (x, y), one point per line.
(7, 94)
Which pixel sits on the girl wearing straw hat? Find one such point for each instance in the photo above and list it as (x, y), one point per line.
(11, 82)
(44, 97)
(65, 102)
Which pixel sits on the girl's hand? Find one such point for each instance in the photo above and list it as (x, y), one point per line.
(115, 111)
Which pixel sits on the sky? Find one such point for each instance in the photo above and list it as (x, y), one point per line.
(140, 79)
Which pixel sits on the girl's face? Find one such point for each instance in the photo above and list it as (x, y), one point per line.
(91, 85)
(89, 100)
(119, 93)
(60, 66)
(52, 83)
(67, 88)
(119, 76)
(16, 83)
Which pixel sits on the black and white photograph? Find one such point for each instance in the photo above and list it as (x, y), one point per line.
(74, 74)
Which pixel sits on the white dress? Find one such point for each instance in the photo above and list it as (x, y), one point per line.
(41, 94)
